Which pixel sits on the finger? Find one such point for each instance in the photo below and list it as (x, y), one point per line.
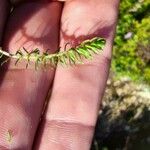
(4, 11)
(23, 91)
(71, 114)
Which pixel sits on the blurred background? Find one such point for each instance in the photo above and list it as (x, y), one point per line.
(124, 118)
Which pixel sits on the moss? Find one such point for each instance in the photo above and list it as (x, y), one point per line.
(133, 37)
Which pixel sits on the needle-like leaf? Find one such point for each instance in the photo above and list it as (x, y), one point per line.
(72, 56)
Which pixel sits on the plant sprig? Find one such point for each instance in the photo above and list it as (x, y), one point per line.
(69, 57)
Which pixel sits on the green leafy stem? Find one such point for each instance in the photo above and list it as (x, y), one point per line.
(72, 56)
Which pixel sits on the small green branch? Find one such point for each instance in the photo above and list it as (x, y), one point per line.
(71, 56)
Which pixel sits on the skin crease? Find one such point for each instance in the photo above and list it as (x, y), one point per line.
(68, 123)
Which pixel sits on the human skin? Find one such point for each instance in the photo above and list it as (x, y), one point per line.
(69, 120)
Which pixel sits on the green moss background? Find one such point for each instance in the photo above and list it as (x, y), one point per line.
(131, 55)
(124, 118)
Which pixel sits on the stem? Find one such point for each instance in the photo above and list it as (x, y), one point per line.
(5, 53)
(71, 56)
(32, 57)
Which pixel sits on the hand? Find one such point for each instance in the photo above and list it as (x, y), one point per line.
(71, 112)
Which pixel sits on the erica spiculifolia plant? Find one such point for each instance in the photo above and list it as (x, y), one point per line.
(71, 56)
